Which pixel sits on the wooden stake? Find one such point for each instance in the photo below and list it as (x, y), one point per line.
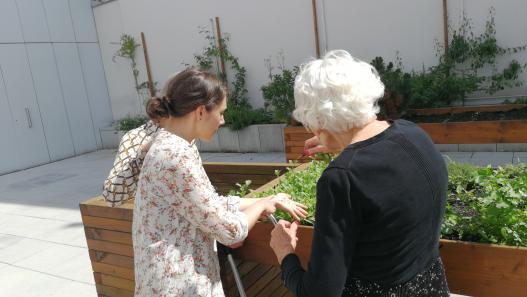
(148, 70)
(445, 25)
(315, 25)
(220, 47)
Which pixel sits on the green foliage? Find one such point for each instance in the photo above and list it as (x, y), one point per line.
(239, 117)
(211, 53)
(484, 204)
(127, 51)
(242, 190)
(239, 113)
(487, 205)
(130, 123)
(301, 185)
(279, 92)
(462, 69)
(397, 86)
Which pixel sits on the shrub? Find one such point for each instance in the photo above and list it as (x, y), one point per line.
(279, 94)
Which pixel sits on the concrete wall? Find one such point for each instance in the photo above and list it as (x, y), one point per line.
(260, 29)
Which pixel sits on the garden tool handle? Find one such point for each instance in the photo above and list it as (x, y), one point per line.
(237, 279)
(273, 219)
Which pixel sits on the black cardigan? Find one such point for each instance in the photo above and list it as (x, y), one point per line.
(379, 210)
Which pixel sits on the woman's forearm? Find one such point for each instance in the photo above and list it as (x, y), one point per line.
(253, 211)
(246, 202)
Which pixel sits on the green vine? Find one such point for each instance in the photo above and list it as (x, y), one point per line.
(127, 50)
(461, 70)
(240, 113)
(211, 53)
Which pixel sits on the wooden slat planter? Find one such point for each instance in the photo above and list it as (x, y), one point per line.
(477, 132)
(473, 269)
(461, 109)
(108, 234)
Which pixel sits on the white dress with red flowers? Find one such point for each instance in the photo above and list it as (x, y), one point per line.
(177, 217)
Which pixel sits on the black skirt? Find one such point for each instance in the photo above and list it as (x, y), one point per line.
(430, 283)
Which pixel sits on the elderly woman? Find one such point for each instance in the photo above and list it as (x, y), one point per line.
(380, 203)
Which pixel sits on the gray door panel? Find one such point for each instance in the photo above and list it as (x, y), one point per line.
(49, 95)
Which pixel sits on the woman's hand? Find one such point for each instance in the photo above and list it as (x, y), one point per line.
(313, 146)
(283, 201)
(283, 239)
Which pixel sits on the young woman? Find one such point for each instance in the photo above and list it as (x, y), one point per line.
(178, 215)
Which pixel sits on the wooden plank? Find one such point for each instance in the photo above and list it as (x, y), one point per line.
(256, 246)
(111, 247)
(459, 109)
(117, 282)
(117, 271)
(113, 292)
(222, 167)
(477, 132)
(107, 224)
(263, 282)
(97, 207)
(271, 287)
(246, 169)
(249, 279)
(111, 259)
(240, 178)
(107, 235)
(485, 270)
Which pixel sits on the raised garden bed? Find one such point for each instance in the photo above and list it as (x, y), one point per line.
(480, 125)
(474, 269)
(108, 230)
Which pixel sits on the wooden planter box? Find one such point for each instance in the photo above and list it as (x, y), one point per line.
(475, 132)
(473, 269)
(108, 230)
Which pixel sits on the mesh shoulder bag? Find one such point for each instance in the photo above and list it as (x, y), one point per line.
(122, 180)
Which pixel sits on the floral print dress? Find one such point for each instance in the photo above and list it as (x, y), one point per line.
(177, 217)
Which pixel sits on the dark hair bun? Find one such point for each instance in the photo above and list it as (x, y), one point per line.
(157, 108)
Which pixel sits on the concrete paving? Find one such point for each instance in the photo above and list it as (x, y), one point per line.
(42, 245)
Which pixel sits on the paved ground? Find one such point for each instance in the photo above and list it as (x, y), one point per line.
(42, 245)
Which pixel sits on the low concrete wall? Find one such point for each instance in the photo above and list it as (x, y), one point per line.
(253, 139)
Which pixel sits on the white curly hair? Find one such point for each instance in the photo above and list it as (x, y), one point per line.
(337, 93)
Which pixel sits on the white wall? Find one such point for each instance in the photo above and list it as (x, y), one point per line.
(260, 29)
(53, 92)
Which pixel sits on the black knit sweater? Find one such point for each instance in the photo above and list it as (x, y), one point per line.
(379, 210)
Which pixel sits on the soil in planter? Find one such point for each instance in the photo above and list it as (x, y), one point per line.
(517, 114)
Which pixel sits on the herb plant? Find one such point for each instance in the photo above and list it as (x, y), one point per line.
(484, 204)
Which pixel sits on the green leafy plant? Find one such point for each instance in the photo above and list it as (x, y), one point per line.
(130, 123)
(239, 117)
(397, 87)
(239, 113)
(462, 68)
(484, 204)
(127, 50)
(279, 92)
(242, 189)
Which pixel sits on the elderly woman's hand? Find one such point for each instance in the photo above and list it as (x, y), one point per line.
(283, 201)
(313, 146)
(283, 239)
